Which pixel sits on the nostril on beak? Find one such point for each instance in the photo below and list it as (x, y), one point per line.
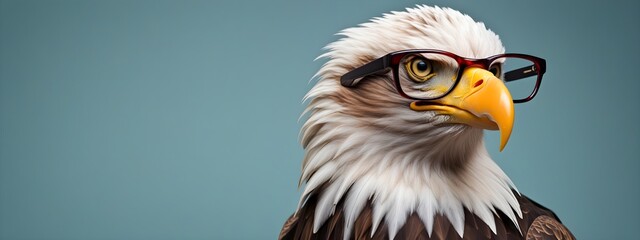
(478, 83)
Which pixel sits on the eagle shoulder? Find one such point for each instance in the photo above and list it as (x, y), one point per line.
(288, 225)
(547, 228)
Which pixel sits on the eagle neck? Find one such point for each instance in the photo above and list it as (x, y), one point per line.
(399, 176)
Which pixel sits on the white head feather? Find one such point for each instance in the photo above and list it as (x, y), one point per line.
(366, 144)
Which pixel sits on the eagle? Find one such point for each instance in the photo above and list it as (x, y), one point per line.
(393, 137)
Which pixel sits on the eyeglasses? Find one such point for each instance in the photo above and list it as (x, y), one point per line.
(426, 74)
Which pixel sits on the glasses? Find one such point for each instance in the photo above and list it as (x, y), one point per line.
(427, 74)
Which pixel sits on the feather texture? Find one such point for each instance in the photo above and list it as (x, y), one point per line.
(538, 222)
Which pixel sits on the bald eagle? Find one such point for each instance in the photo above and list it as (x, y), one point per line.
(393, 140)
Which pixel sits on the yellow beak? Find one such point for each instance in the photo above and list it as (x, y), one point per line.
(480, 100)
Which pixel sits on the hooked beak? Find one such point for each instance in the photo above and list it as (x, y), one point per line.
(480, 99)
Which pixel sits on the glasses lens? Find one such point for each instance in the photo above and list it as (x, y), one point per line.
(519, 75)
(427, 75)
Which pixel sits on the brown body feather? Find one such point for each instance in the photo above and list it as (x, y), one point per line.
(537, 223)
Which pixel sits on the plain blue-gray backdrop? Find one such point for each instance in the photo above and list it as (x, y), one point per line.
(179, 119)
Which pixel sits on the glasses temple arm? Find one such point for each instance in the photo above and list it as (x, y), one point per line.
(354, 76)
(520, 73)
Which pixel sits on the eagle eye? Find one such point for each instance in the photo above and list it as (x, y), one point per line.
(496, 69)
(420, 69)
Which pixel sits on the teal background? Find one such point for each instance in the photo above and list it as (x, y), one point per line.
(178, 119)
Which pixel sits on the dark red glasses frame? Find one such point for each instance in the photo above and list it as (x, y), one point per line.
(392, 61)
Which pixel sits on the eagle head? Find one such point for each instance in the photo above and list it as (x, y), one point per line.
(395, 121)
